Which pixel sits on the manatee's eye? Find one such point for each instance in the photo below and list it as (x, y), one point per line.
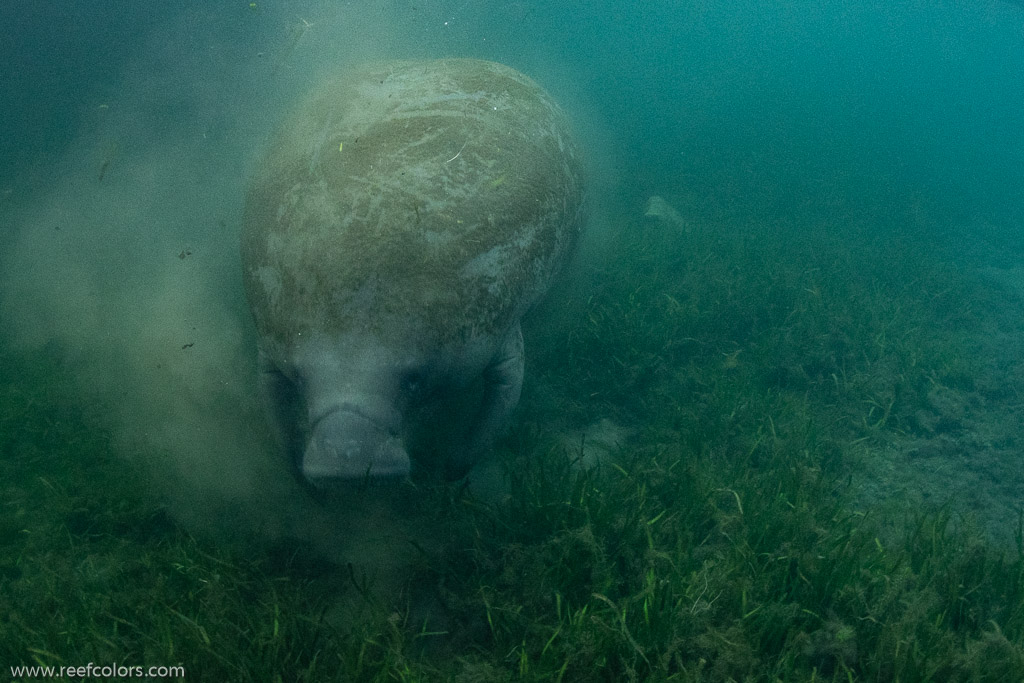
(298, 381)
(413, 380)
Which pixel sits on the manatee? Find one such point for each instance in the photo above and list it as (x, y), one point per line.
(405, 218)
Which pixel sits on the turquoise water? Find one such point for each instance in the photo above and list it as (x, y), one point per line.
(883, 100)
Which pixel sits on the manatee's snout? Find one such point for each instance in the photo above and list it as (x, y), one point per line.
(346, 445)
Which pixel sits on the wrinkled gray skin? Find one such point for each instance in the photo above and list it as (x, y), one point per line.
(407, 216)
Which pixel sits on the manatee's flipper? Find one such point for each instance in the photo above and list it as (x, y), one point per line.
(282, 401)
(503, 381)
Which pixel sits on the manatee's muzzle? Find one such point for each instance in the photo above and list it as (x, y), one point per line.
(346, 445)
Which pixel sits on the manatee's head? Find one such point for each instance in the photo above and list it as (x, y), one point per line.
(350, 395)
(354, 403)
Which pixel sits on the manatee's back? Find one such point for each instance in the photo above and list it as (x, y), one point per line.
(443, 192)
